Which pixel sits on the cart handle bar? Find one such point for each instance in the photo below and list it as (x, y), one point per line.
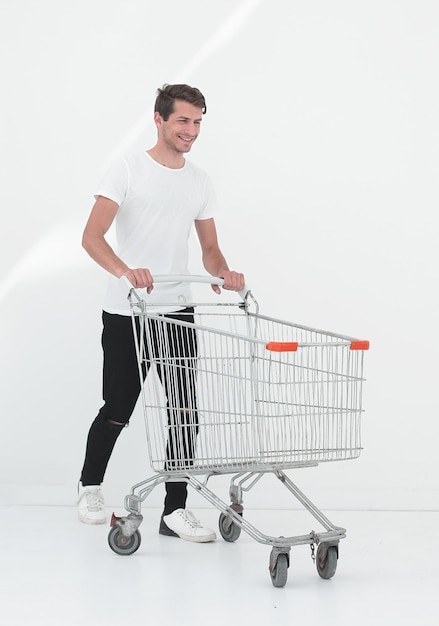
(126, 285)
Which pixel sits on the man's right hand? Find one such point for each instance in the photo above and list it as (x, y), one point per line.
(140, 278)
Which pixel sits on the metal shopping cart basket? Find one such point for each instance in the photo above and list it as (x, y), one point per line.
(239, 393)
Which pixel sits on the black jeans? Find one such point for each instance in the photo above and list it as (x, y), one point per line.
(173, 347)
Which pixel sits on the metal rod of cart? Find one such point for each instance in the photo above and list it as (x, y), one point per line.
(240, 393)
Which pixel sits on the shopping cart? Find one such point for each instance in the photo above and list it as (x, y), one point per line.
(237, 392)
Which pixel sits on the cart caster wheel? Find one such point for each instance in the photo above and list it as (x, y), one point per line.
(279, 572)
(228, 529)
(326, 560)
(121, 544)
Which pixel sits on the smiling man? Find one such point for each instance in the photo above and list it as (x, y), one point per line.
(155, 198)
(177, 131)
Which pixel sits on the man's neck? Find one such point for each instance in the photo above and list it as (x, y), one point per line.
(172, 159)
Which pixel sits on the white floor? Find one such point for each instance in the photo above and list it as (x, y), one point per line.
(58, 572)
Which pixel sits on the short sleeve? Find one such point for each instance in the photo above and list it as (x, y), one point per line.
(115, 182)
(210, 205)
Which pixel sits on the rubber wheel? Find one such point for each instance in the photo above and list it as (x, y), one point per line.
(228, 529)
(121, 544)
(326, 561)
(280, 573)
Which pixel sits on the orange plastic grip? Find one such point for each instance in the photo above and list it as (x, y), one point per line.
(359, 345)
(282, 346)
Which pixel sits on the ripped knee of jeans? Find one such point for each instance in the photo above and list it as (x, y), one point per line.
(114, 423)
(105, 419)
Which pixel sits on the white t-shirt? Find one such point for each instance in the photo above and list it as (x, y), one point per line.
(157, 209)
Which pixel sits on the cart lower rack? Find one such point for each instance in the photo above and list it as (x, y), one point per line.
(235, 392)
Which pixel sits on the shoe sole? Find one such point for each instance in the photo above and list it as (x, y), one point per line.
(93, 522)
(171, 533)
(206, 539)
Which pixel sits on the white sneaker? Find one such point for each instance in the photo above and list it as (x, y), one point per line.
(91, 505)
(186, 526)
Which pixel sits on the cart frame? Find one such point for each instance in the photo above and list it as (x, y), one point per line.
(321, 395)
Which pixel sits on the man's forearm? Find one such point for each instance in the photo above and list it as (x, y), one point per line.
(215, 263)
(102, 253)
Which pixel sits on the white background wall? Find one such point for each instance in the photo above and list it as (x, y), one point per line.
(322, 140)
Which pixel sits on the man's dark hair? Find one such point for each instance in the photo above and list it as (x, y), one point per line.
(166, 96)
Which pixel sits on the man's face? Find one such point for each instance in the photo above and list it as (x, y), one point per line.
(182, 127)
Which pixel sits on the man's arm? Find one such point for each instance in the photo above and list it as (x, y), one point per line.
(93, 240)
(213, 259)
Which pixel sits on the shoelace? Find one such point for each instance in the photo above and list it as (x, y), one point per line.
(94, 501)
(190, 518)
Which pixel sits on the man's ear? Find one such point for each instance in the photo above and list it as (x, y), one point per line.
(158, 120)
